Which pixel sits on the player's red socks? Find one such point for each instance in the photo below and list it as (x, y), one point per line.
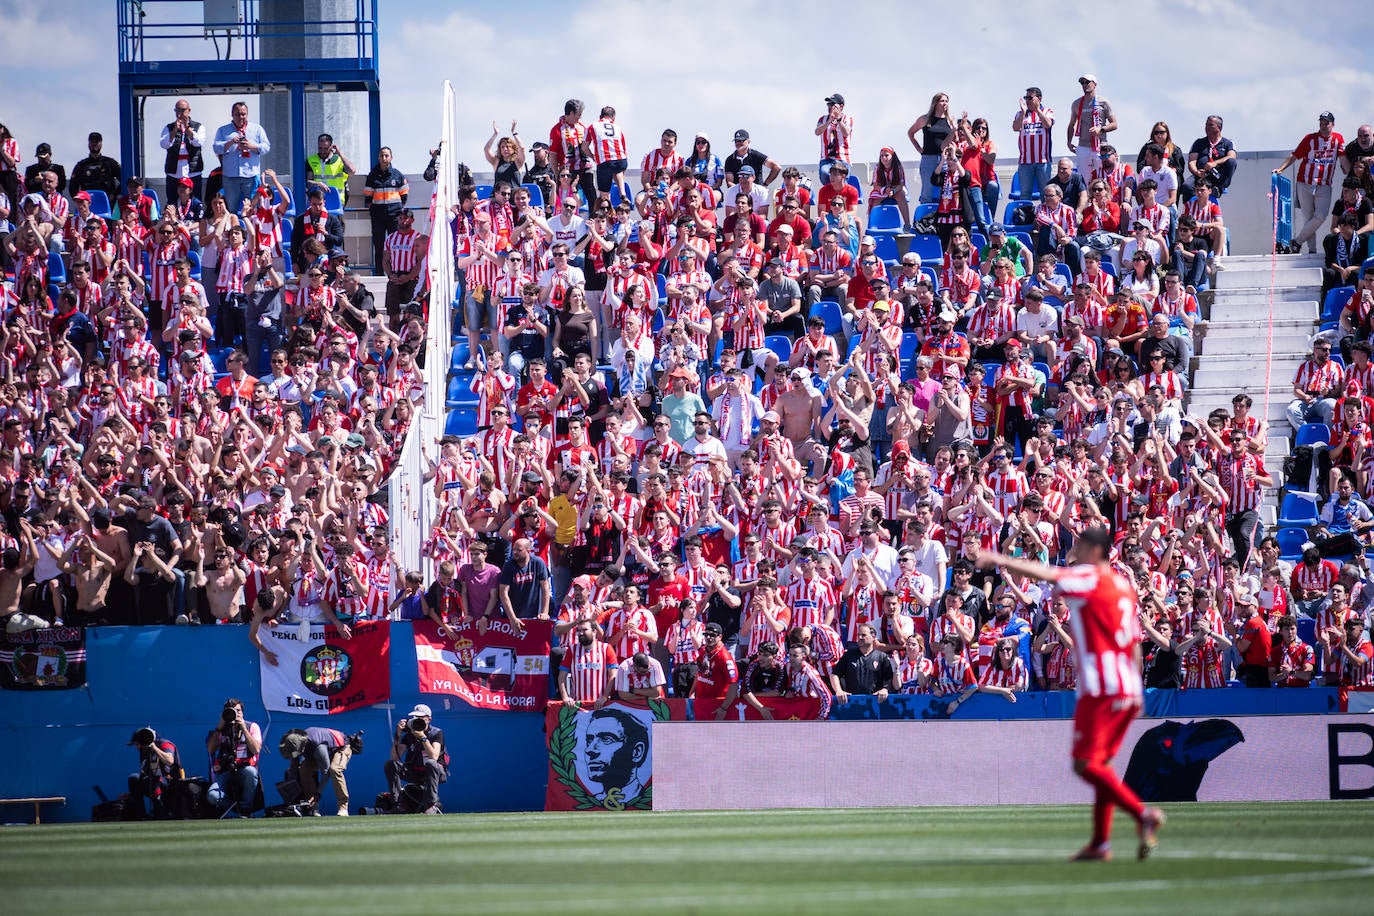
(1110, 791)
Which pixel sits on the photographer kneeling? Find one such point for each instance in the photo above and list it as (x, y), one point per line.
(420, 760)
(234, 747)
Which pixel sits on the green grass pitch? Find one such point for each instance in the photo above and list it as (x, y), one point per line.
(1214, 858)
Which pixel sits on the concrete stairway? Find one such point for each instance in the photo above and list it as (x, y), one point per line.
(1232, 353)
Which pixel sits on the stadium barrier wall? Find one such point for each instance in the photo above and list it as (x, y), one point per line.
(951, 762)
(176, 679)
(67, 742)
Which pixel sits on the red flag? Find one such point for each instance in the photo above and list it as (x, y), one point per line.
(494, 670)
(325, 673)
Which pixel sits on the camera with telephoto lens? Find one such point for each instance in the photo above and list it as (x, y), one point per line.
(418, 725)
(230, 715)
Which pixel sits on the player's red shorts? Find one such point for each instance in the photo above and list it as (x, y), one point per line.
(1099, 725)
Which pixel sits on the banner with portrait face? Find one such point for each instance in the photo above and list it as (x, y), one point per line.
(602, 759)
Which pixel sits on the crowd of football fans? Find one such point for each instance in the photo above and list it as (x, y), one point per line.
(717, 415)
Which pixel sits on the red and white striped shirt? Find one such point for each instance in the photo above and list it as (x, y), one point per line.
(607, 141)
(235, 266)
(1243, 494)
(401, 251)
(588, 667)
(1317, 158)
(1316, 379)
(835, 142)
(1169, 383)
(1008, 487)
(1062, 216)
(684, 641)
(266, 222)
(812, 601)
(621, 620)
(993, 321)
(1033, 142)
(910, 673)
(1013, 678)
(565, 142)
(806, 681)
(655, 159)
(861, 606)
(1210, 213)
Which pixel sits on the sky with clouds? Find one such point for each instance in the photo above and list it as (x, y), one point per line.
(765, 65)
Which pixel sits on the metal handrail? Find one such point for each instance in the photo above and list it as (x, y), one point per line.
(137, 36)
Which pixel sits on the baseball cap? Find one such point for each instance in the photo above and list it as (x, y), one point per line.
(584, 582)
(997, 229)
(43, 149)
(354, 441)
(187, 183)
(421, 710)
(1327, 116)
(81, 195)
(1087, 78)
(740, 134)
(947, 315)
(337, 253)
(702, 135)
(834, 99)
(714, 629)
(775, 262)
(538, 145)
(746, 169)
(771, 416)
(882, 306)
(1074, 319)
(1012, 344)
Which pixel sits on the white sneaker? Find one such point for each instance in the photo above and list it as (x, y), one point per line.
(1217, 265)
(343, 811)
(182, 620)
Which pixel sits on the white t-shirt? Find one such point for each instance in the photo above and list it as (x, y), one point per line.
(1038, 325)
(569, 232)
(1166, 178)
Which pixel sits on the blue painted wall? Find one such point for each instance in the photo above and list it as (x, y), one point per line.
(177, 678)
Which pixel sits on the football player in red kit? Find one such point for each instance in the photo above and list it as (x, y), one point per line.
(1106, 636)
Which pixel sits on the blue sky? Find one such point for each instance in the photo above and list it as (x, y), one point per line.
(766, 66)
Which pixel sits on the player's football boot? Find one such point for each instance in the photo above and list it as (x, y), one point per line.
(1151, 820)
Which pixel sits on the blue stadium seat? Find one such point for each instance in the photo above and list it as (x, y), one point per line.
(460, 391)
(100, 204)
(1307, 630)
(928, 247)
(1336, 300)
(933, 274)
(977, 241)
(830, 311)
(658, 321)
(1043, 368)
(1312, 434)
(616, 198)
(460, 423)
(853, 182)
(157, 201)
(219, 357)
(1299, 510)
(911, 344)
(852, 346)
(57, 271)
(484, 191)
(1062, 270)
(990, 373)
(287, 225)
(780, 344)
(662, 284)
(924, 210)
(1016, 189)
(1108, 267)
(458, 356)
(1024, 237)
(536, 195)
(1290, 543)
(1024, 208)
(886, 247)
(1368, 262)
(333, 201)
(886, 218)
(194, 258)
(290, 204)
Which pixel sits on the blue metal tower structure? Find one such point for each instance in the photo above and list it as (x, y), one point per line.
(162, 52)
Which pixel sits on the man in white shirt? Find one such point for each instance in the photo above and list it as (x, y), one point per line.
(882, 557)
(735, 412)
(703, 446)
(639, 677)
(567, 227)
(1037, 326)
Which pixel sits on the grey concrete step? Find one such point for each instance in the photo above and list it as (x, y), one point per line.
(1257, 312)
(1253, 261)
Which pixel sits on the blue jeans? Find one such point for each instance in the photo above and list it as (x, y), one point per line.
(1045, 244)
(824, 168)
(234, 787)
(975, 204)
(1192, 276)
(929, 193)
(1032, 177)
(992, 196)
(236, 189)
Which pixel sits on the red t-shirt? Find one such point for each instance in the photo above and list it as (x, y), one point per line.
(670, 592)
(1261, 642)
(848, 191)
(716, 673)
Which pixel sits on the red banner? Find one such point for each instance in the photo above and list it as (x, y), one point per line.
(783, 708)
(602, 759)
(323, 673)
(496, 669)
